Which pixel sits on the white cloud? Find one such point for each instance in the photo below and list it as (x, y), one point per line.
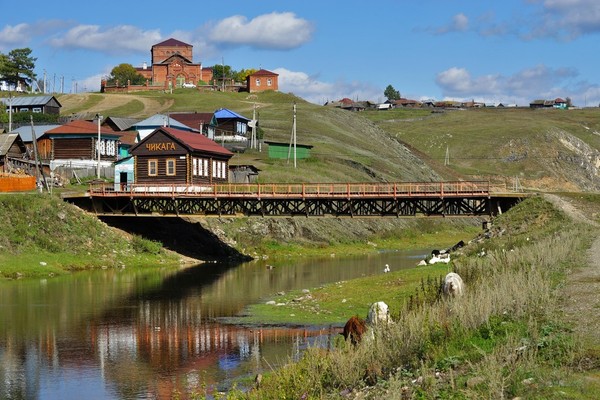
(460, 23)
(110, 40)
(274, 30)
(568, 19)
(315, 91)
(12, 35)
(521, 87)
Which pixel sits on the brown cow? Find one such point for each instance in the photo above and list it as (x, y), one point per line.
(354, 329)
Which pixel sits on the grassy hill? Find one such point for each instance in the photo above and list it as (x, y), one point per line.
(544, 149)
(533, 149)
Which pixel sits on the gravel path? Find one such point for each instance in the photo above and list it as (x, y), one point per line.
(582, 290)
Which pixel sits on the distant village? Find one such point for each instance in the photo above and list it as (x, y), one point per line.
(186, 148)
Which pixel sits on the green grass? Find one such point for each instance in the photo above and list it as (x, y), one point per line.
(43, 235)
(504, 339)
(493, 142)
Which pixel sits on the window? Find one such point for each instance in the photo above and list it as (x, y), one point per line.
(37, 110)
(214, 169)
(24, 109)
(257, 81)
(171, 166)
(152, 167)
(205, 167)
(269, 82)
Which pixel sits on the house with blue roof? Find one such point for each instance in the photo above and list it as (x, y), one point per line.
(230, 124)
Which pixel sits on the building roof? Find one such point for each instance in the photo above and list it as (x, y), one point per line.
(25, 131)
(80, 127)
(121, 124)
(171, 42)
(29, 101)
(263, 72)
(158, 120)
(224, 113)
(128, 137)
(192, 119)
(308, 146)
(7, 140)
(192, 141)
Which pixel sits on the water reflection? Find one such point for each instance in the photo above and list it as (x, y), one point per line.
(145, 334)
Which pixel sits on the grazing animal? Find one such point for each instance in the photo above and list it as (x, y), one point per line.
(387, 268)
(453, 285)
(379, 313)
(354, 329)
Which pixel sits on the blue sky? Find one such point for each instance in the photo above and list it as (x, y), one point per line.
(510, 51)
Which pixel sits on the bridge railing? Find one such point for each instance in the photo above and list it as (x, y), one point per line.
(299, 190)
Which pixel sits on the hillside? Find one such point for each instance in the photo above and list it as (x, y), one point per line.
(553, 150)
(347, 147)
(545, 149)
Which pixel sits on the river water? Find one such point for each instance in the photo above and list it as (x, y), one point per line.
(150, 333)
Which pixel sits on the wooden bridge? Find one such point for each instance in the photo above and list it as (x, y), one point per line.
(298, 199)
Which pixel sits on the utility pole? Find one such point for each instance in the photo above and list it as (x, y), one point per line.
(447, 158)
(99, 117)
(10, 100)
(293, 138)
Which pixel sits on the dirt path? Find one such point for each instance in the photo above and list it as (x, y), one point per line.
(151, 106)
(582, 290)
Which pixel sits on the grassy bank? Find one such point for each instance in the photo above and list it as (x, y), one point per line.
(42, 235)
(505, 338)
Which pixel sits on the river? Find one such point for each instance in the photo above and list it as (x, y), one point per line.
(150, 333)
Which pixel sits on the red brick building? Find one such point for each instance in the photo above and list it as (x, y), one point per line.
(172, 65)
(262, 80)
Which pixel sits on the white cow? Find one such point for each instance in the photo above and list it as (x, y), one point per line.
(379, 313)
(453, 285)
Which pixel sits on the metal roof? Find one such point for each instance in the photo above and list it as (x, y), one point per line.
(6, 141)
(28, 100)
(25, 131)
(224, 113)
(159, 120)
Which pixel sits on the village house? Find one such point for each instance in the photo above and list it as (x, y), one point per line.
(13, 153)
(172, 156)
(202, 121)
(262, 80)
(75, 144)
(148, 125)
(35, 104)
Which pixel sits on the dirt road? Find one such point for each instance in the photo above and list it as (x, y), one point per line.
(582, 291)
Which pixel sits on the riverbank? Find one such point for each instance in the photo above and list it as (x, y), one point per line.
(43, 236)
(506, 338)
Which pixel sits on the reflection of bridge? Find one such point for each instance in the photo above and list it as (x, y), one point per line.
(302, 199)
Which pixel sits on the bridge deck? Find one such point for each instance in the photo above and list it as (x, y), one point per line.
(298, 190)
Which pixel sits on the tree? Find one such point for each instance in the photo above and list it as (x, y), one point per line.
(124, 73)
(242, 74)
(17, 66)
(222, 71)
(390, 93)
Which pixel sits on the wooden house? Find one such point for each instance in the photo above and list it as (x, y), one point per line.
(13, 152)
(243, 173)
(75, 143)
(229, 123)
(35, 104)
(172, 156)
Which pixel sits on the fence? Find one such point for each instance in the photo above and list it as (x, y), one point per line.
(16, 183)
